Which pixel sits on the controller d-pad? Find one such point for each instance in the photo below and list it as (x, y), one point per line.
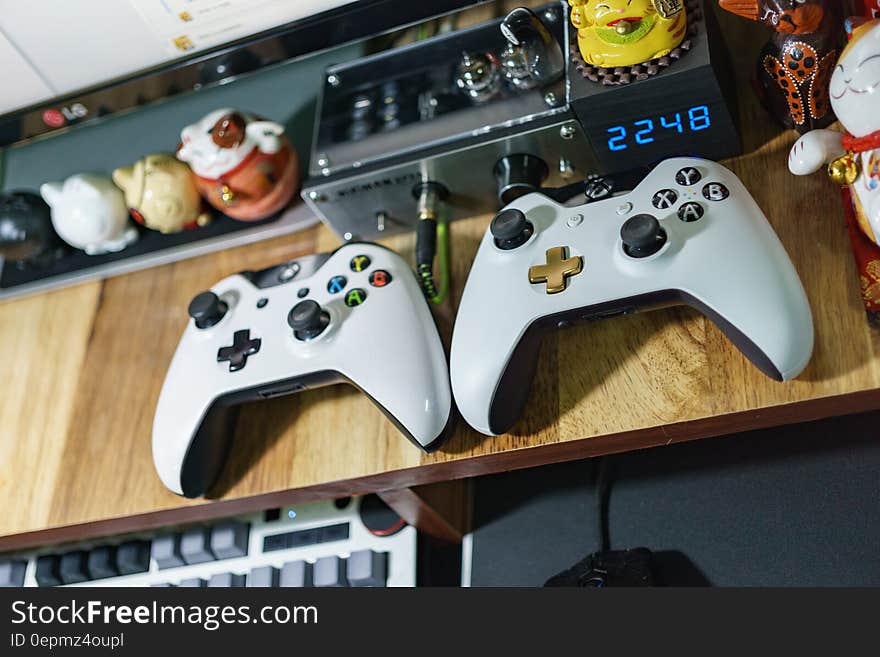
(715, 192)
(242, 347)
(557, 271)
(664, 199)
(688, 176)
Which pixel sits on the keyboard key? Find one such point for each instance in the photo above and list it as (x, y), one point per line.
(296, 574)
(195, 545)
(226, 580)
(133, 557)
(334, 533)
(101, 562)
(192, 582)
(263, 577)
(12, 573)
(72, 567)
(47, 570)
(329, 571)
(230, 540)
(166, 551)
(367, 568)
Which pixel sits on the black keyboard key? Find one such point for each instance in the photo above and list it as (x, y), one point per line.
(165, 551)
(12, 573)
(101, 562)
(133, 557)
(47, 570)
(72, 567)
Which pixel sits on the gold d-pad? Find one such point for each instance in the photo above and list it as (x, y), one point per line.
(558, 269)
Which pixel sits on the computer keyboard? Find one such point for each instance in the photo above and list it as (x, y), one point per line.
(347, 542)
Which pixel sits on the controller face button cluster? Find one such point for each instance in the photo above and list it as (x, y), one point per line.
(511, 229)
(715, 192)
(336, 284)
(557, 270)
(642, 236)
(690, 212)
(688, 176)
(355, 297)
(380, 278)
(664, 199)
(207, 309)
(237, 354)
(308, 320)
(359, 263)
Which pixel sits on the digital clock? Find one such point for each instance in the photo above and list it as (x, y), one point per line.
(642, 132)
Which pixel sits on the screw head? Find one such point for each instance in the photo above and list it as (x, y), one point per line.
(333, 80)
(323, 160)
(551, 99)
(567, 132)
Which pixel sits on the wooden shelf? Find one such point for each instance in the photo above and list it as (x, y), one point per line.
(84, 366)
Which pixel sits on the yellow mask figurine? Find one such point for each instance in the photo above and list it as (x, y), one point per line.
(615, 33)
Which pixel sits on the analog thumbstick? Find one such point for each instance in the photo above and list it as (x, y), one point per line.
(511, 229)
(307, 319)
(207, 309)
(642, 236)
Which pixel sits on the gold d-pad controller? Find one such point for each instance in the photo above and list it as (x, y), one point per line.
(558, 269)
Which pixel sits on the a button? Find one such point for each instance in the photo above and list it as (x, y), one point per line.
(715, 192)
(207, 309)
(133, 557)
(511, 229)
(380, 278)
(302, 292)
(664, 199)
(295, 574)
(328, 572)
(336, 284)
(308, 320)
(359, 263)
(12, 573)
(226, 580)
(624, 208)
(195, 546)
(47, 570)
(230, 539)
(642, 236)
(688, 176)
(288, 272)
(574, 220)
(261, 303)
(72, 567)
(237, 354)
(557, 271)
(367, 568)
(355, 297)
(166, 551)
(192, 582)
(101, 563)
(690, 212)
(262, 577)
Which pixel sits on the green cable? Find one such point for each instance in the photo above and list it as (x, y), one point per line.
(443, 261)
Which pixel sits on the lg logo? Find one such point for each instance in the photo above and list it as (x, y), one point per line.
(56, 118)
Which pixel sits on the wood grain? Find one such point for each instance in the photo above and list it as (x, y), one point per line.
(84, 367)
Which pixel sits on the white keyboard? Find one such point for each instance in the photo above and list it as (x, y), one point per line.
(317, 544)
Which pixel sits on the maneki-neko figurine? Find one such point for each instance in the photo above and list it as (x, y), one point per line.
(244, 165)
(619, 33)
(795, 65)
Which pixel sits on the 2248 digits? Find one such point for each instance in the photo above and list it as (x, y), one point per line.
(644, 131)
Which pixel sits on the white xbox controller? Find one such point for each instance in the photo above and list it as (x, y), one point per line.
(355, 315)
(689, 233)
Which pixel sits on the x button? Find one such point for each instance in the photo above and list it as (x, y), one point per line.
(237, 354)
(558, 269)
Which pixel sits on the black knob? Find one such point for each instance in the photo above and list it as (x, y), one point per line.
(207, 309)
(518, 175)
(642, 236)
(511, 229)
(307, 319)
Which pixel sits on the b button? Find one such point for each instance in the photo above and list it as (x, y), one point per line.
(715, 192)
(355, 297)
(380, 278)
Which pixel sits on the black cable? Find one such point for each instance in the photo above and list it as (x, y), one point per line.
(604, 476)
(426, 249)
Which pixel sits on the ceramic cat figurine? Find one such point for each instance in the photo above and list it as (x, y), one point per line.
(853, 158)
(626, 32)
(795, 65)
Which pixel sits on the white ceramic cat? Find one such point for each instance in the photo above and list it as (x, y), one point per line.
(89, 213)
(855, 97)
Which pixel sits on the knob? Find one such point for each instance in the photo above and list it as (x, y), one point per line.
(207, 309)
(518, 175)
(642, 236)
(307, 319)
(511, 229)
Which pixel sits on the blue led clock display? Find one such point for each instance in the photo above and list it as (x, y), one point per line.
(647, 130)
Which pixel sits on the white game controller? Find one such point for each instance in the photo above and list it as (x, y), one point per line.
(689, 233)
(356, 315)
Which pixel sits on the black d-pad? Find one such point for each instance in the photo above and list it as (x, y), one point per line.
(237, 354)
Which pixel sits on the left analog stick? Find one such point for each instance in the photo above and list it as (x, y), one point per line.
(207, 309)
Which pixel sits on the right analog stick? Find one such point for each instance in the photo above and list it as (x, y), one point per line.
(511, 229)
(642, 236)
(307, 319)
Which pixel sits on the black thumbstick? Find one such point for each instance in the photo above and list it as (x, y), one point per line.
(207, 309)
(511, 229)
(307, 319)
(642, 236)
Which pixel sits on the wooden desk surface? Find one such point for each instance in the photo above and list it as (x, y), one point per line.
(83, 368)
